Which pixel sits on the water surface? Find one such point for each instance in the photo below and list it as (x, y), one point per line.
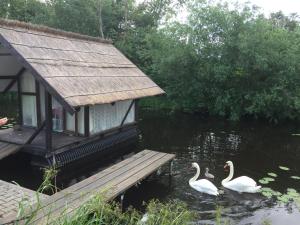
(256, 148)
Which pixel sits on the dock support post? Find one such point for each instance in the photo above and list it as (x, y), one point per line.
(171, 168)
(170, 173)
(122, 200)
(48, 116)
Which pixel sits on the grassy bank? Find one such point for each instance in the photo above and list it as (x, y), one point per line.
(100, 212)
(97, 211)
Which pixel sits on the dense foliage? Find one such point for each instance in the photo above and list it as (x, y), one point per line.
(228, 61)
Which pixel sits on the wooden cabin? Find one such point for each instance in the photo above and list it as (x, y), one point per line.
(77, 95)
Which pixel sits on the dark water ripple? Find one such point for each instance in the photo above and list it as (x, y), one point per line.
(256, 148)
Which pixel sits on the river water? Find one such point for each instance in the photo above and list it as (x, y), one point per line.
(256, 148)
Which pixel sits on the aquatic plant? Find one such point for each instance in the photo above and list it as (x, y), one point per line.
(290, 195)
(49, 180)
(266, 180)
(266, 222)
(284, 168)
(295, 177)
(272, 174)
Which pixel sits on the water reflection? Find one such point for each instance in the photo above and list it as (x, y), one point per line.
(256, 149)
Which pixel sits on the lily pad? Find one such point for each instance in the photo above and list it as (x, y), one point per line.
(295, 177)
(263, 181)
(291, 190)
(266, 180)
(267, 194)
(284, 168)
(272, 174)
(266, 189)
(277, 193)
(283, 198)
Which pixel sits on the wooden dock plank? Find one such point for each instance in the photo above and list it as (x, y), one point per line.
(76, 199)
(7, 149)
(110, 183)
(62, 195)
(128, 181)
(76, 187)
(131, 181)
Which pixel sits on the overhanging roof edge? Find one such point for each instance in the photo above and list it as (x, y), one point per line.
(27, 66)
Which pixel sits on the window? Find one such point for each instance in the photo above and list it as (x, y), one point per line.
(70, 123)
(29, 110)
(107, 116)
(57, 116)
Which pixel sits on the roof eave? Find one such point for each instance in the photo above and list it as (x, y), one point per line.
(39, 78)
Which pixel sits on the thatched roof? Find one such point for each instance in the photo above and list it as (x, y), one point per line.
(78, 69)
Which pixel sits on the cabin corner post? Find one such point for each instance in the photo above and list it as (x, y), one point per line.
(136, 110)
(20, 110)
(48, 119)
(86, 121)
(38, 104)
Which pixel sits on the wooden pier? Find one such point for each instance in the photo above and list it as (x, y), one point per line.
(110, 183)
(10, 197)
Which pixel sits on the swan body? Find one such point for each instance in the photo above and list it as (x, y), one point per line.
(202, 185)
(208, 175)
(239, 184)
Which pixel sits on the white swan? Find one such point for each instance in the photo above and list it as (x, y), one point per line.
(202, 185)
(239, 184)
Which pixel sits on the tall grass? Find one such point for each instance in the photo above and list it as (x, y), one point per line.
(98, 211)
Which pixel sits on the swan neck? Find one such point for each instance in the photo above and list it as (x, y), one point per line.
(230, 176)
(194, 178)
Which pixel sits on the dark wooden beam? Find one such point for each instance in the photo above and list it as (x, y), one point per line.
(7, 77)
(64, 119)
(36, 132)
(127, 112)
(5, 54)
(9, 86)
(20, 109)
(14, 80)
(29, 93)
(38, 104)
(136, 110)
(76, 123)
(48, 119)
(86, 121)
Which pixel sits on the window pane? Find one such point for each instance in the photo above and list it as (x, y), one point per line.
(70, 122)
(57, 113)
(81, 121)
(28, 82)
(29, 110)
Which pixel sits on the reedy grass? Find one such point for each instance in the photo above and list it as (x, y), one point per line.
(98, 211)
